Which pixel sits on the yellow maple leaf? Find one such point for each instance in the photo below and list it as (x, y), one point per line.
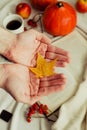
(43, 67)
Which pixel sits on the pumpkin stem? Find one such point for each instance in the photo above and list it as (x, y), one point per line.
(59, 4)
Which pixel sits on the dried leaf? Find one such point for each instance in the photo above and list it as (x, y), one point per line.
(43, 67)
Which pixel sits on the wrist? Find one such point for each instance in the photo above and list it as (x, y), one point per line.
(2, 75)
(6, 40)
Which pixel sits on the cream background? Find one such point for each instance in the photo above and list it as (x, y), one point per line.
(70, 115)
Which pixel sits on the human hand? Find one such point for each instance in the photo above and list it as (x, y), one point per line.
(25, 87)
(29, 43)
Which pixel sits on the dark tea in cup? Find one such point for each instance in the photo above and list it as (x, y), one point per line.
(14, 24)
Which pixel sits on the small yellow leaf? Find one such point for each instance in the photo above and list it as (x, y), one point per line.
(43, 67)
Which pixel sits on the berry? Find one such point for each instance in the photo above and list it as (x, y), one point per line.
(32, 23)
(29, 119)
(42, 109)
(35, 106)
(29, 114)
(32, 111)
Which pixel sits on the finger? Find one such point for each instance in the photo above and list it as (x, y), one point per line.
(48, 90)
(56, 76)
(52, 83)
(61, 64)
(52, 55)
(57, 50)
(43, 38)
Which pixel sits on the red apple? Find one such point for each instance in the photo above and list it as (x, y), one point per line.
(81, 6)
(23, 9)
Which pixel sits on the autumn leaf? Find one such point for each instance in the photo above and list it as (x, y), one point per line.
(43, 67)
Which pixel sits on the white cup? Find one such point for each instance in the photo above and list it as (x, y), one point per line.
(14, 23)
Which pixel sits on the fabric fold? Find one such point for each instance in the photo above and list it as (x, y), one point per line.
(73, 112)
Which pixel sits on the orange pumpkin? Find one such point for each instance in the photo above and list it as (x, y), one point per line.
(59, 19)
(41, 4)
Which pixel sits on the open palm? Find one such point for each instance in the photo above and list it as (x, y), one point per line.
(25, 87)
(29, 43)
